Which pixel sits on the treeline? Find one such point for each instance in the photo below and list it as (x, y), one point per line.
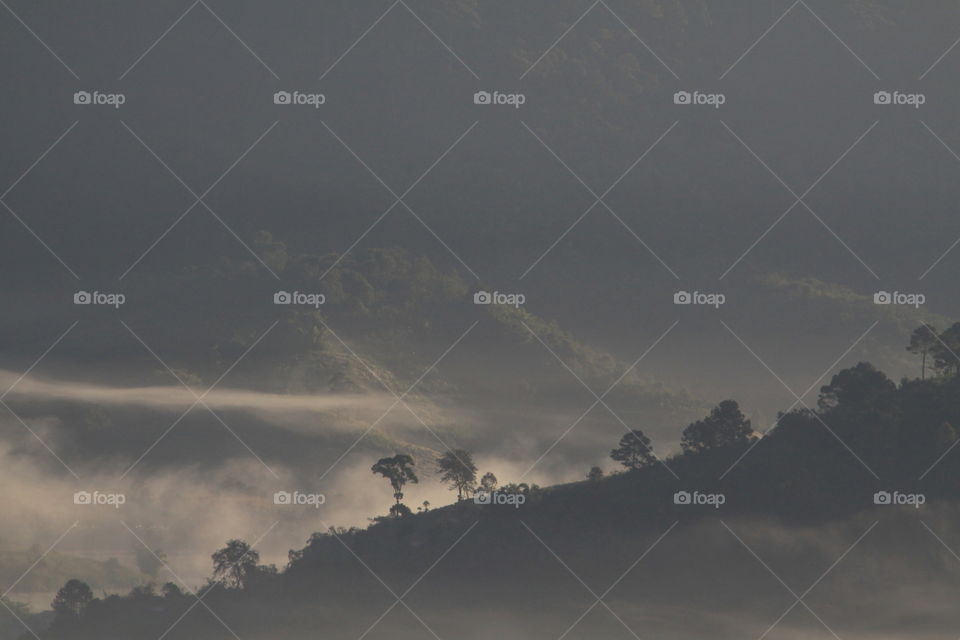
(865, 434)
(937, 350)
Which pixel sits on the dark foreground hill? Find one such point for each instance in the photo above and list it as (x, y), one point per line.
(804, 507)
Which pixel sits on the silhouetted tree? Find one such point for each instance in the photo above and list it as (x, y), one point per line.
(522, 488)
(457, 470)
(71, 601)
(634, 451)
(595, 473)
(142, 592)
(945, 352)
(923, 340)
(861, 386)
(488, 482)
(399, 510)
(726, 425)
(399, 471)
(234, 563)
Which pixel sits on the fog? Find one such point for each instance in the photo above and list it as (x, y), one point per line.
(250, 249)
(287, 409)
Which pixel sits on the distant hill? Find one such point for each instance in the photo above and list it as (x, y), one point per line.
(52, 570)
(390, 320)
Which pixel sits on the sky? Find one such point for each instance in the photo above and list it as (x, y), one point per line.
(670, 203)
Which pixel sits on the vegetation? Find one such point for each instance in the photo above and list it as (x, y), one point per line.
(55, 568)
(233, 564)
(399, 471)
(457, 470)
(488, 482)
(634, 451)
(941, 347)
(724, 428)
(815, 465)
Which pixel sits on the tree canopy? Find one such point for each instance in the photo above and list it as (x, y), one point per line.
(458, 470)
(234, 563)
(634, 451)
(725, 426)
(398, 470)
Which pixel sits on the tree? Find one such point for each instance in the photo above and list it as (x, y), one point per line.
(399, 510)
(634, 451)
(457, 470)
(234, 563)
(945, 352)
(595, 473)
(862, 386)
(725, 426)
(399, 471)
(923, 340)
(142, 592)
(72, 600)
(488, 482)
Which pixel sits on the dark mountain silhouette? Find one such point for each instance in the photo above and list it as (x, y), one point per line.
(818, 471)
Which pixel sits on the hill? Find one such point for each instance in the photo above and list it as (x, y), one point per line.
(801, 497)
